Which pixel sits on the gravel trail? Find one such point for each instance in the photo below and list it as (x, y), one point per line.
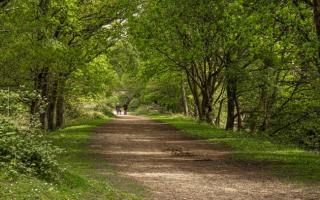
(173, 166)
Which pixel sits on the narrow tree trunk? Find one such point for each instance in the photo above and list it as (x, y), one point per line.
(230, 104)
(33, 107)
(201, 116)
(195, 110)
(218, 118)
(316, 16)
(195, 95)
(52, 102)
(60, 104)
(44, 96)
(60, 111)
(184, 99)
(239, 120)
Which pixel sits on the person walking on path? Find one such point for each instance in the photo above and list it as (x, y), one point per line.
(125, 109)
(118, 109)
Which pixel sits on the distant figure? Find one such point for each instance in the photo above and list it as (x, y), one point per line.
(118, 109)
(125, 109)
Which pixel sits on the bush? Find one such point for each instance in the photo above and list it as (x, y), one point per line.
(105, 109)
(301, 124)
(26, 151)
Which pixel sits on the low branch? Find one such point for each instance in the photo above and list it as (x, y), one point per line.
(290, 124)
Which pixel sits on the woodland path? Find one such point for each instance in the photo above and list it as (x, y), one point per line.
(173, 166)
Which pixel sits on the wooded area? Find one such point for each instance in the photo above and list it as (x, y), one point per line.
(241, 65)
(249, 64)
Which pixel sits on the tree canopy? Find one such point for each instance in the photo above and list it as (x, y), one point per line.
(242, 65)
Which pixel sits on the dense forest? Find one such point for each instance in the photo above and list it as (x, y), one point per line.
(241, 65)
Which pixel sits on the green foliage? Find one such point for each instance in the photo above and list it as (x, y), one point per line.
(254, 63)
(80, 180)
(97, 78)
(58, 49)
(129, 81)
(105, 109)
(163, 91)
(26, 151)
(14, 102)
(88, 109)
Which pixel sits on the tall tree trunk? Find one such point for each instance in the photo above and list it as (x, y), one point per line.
(60, 111)
(33, 106)
(239, 119)
(60, 105)
(52, 102)
(196, 111)
(184, 98)
(231, 104)
(217, 121)
(43, 79)
(42, 76)
(195, 94)
(206, 106)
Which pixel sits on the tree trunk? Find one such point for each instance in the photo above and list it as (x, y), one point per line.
(195, 95)
(60, 111)
(231, 104)
(33, 107)
(60, 105)
(43, 74)
(206, 106)
(52, 102)
(184, 99)
(217, 121)
(239, 120)
(44, 96)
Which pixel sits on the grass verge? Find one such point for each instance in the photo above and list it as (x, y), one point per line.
(288, 162)
(82, 178)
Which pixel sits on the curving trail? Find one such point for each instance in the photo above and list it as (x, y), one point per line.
(173, 166)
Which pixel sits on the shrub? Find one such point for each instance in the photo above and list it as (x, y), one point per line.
(27, 151)
(105, 109)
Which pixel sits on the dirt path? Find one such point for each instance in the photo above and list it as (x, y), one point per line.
(175, 167)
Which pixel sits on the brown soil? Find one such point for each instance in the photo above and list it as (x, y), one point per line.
(173, 166)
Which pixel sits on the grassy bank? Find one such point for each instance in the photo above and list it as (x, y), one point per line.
(288, 162)
(81, 179)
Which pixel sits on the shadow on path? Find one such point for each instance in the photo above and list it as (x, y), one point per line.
(173, 166)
